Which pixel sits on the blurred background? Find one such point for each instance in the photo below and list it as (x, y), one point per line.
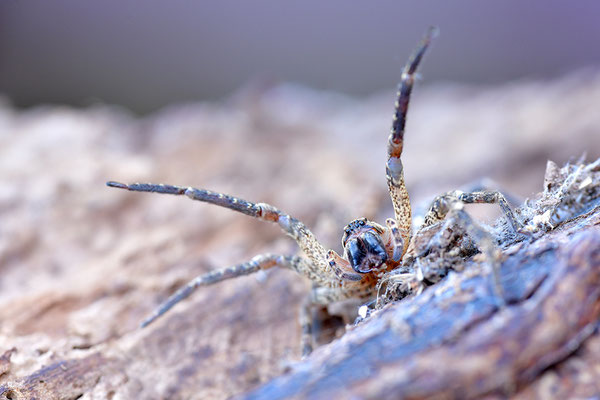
(145, 55)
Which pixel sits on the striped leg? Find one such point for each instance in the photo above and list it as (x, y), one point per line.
(397, 240)
(394, 168)
(492, 197)
(487, 185)
(317, 270)
(263, 261)
(446, 202)
(449, 206)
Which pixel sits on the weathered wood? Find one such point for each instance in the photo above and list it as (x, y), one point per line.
(81, 266)
(65, 380)
(454, 342)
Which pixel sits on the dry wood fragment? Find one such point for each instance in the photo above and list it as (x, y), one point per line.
(454, 342)
(66, 379)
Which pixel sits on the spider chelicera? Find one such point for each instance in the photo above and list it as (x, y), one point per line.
(370, 249)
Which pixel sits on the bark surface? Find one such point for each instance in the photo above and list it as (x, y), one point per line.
(82, 265)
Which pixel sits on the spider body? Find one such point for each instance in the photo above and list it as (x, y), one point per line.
(370, 250)
(365, 249)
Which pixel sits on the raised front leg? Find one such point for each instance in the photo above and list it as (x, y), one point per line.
(394, 168)
(318, 270)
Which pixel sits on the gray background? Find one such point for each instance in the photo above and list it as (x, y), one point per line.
(147, 54)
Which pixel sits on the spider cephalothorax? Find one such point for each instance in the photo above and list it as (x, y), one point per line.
(364, 246)
(370, 249)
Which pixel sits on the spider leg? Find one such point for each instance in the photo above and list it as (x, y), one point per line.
(443, 204)
(318, 270)
(319, 296)
(306, 325)
(488, 184)
(263, 261)
(394, 168)
(322, 297)
(485, 242)
(396, 238)
(449, 206)
(492, 197)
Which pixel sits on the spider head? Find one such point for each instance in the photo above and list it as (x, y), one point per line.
(364, 246)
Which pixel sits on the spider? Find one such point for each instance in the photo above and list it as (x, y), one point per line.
(370, 250)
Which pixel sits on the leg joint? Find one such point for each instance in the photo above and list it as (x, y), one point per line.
(394, 170)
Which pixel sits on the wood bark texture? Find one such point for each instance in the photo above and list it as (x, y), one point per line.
(81, 265)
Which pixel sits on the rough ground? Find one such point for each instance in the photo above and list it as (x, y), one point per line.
(81, 265)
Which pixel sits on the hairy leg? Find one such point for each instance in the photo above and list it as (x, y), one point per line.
(443, 204)
(449, 207)
(486, 184)
(394, 168)
(396, 238)
(263, 261)
(318, 270)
